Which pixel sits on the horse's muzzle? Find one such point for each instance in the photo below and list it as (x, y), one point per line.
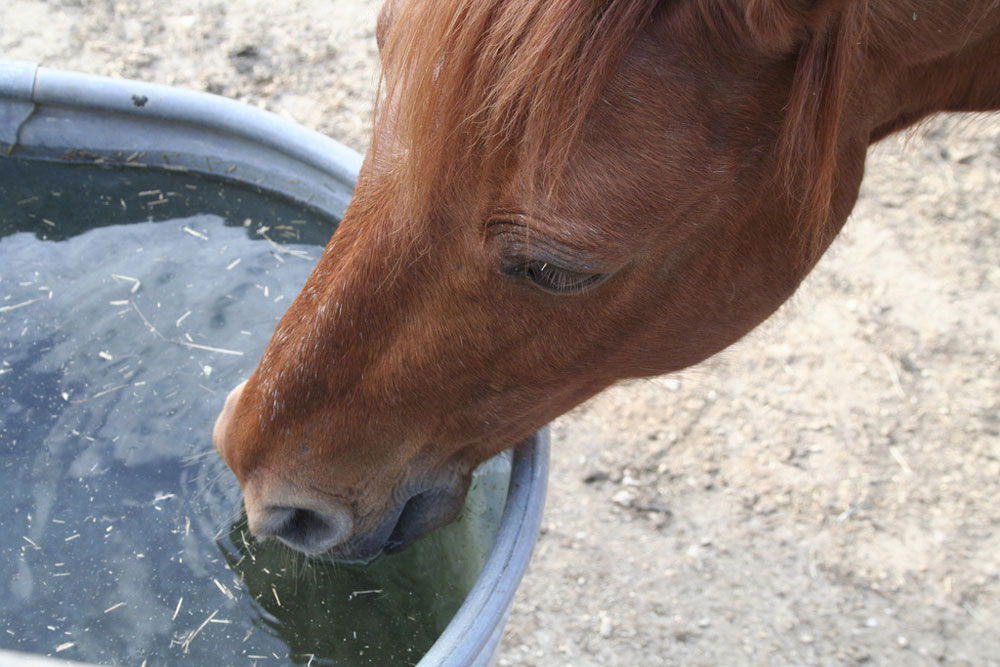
(319, 525)
(326, 531)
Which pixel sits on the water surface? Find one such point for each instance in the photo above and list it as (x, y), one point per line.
(131, 301)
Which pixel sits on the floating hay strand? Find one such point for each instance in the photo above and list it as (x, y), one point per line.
(7, 309)
(187, 642)
(194, 233)
(136, 283)
(373, 591)
(225, 590)
(109, 390)
(188, 344)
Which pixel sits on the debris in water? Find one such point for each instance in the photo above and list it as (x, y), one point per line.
(7, 309)
(187, 642)
(225, 591)
(136, 283)
(177, 609)
(194, 233)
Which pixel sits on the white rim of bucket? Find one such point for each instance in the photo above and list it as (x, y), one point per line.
(50, 114)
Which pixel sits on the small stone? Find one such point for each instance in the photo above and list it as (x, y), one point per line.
(606, 627)
(625, 498)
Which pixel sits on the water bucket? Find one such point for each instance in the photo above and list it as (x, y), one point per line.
(55, 118)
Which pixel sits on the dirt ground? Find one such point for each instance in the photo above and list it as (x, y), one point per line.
(825, 492)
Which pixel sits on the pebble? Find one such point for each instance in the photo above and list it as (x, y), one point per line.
(625, 498)
(606, 627)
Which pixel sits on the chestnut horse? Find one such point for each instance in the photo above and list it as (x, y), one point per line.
(561, 194)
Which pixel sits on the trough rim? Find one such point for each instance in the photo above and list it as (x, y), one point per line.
(35, 103)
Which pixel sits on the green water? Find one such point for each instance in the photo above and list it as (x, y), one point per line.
(131, 301)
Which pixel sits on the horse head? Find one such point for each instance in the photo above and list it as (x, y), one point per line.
(558, 196)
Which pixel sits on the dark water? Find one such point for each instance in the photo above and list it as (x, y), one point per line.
(130, 303)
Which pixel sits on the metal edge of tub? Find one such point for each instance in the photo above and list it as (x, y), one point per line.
(472, 637)
(48, 114)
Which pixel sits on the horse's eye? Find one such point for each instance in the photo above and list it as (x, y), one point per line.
(552, 278)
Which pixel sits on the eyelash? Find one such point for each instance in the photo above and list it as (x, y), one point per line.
(552, 278)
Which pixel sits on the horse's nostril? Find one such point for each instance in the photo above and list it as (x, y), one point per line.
(305, 530)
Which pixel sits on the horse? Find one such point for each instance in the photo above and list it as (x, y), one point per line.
(560, 195)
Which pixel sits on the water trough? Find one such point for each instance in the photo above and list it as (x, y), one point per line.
(115, 361)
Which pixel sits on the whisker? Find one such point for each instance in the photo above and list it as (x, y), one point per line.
(194, 458)
(234, 516)
(209, 485)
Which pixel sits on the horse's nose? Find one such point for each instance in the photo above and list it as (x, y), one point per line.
(307, 529)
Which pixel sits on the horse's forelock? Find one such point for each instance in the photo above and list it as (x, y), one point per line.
(473, 84)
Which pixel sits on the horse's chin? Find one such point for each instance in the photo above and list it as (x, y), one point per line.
(407, 522)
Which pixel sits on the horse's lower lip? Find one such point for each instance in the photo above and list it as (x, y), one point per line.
(421, 513)
(401, 534)
(395, 543)
(393, 546)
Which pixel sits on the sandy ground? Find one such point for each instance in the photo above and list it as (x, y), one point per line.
(825, 492)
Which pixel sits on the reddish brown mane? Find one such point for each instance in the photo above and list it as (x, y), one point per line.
(486, 78)
(807, 148)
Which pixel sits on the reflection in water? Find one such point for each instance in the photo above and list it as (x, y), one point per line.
(130, 303)
(389, 611)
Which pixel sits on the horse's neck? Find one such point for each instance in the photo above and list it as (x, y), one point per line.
(944, 56)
